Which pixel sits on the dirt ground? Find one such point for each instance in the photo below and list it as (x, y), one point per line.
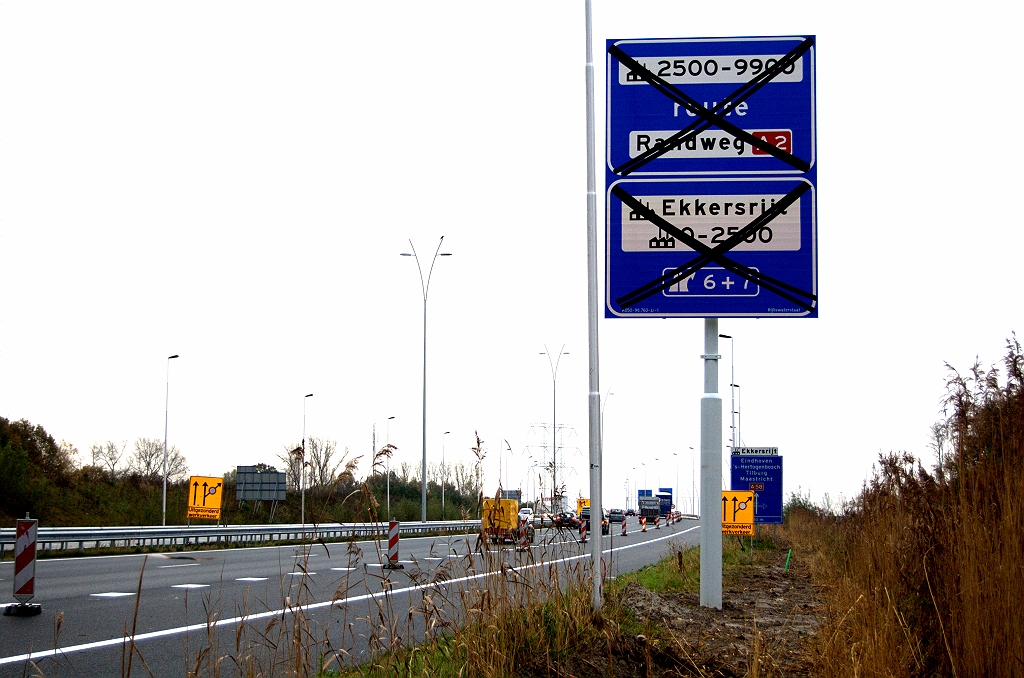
(763, 628)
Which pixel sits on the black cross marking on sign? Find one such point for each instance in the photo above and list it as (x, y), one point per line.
(710, 117)
(717, 254)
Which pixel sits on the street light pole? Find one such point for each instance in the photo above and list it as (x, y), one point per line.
(554, 422)
(506, 463)
(302, 466)
(425, 287)
(732, 393)
(167, 402)
(678, 494)
(387, 440)
(693, 484)
(442, 473)
(739, 413)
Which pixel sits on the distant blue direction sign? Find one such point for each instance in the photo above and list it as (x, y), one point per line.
(711, 175)
(761, 473)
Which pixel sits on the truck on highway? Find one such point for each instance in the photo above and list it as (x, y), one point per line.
(650, 507)
(581, 503)
(666, 502)
(499, 519)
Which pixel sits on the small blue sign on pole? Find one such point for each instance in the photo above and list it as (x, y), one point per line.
(762, 474)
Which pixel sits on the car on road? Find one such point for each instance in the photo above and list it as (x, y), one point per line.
(630, 512)
(616, 515)
(526, 513)
(567, 519)
(585, 517)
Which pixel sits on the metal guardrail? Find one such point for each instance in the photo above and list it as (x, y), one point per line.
(62, 538)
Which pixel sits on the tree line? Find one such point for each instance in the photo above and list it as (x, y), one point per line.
(117, 484)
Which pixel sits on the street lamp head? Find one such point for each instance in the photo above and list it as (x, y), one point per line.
(308, 395)
(446, 433)
(405, 254)
(171, 357)
(725, 336)
(390, 418)
(444, 254)
(736, 385)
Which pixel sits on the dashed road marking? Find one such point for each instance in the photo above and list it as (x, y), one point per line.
(164, 567)
(251, 579)
(111, 594)
(191, 586)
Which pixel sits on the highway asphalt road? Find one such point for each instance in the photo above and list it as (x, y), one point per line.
(189, 608)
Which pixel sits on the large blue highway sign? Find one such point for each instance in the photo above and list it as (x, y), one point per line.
(667, 231)
(711, 175)
(761, 474)
(729, 77)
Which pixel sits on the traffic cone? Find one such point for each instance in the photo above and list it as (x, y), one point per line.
(523, 536)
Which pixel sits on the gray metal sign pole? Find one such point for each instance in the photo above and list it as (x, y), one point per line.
(711, 473)
(593, 306)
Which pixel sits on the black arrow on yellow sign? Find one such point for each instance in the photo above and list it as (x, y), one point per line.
(737, 506)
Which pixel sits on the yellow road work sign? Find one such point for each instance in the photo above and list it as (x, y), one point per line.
(204, 495)
(738, 513)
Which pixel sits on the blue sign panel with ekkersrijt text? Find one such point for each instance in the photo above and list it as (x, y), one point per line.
(761, 474)
(649, 221)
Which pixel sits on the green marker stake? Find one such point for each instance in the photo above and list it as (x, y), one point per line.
(788, 556)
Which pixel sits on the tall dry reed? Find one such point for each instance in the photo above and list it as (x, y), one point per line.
(926, 567)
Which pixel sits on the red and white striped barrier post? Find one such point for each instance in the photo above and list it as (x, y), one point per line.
(583, 532)
(643, 524)
(623, 526)
(657, 520)
(25, 570)
(524, 536)
(392, 562)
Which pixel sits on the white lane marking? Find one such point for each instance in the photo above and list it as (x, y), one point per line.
(307, 555)
(191, 586)
(400, 562)
(251, 579)
(312, 606)
(651, 541)
(164, 567)
(110, 594)
(343, 569)
(299, 574)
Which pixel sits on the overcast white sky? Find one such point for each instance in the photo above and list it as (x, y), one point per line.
(234, 182)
